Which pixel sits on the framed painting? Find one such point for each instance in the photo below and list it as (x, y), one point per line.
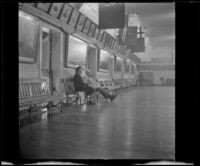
(55, 9)
(43, 6)
(92, 29)
(86, 26)
(104, 37)
(64, 17)
(107, 40)
(113, 44)
(100, 35)
(81, 22)
(110, 42)
(96, 33)
(74, 18)
(28, 36)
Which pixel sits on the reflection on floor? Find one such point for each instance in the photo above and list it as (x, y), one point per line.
(139, 124)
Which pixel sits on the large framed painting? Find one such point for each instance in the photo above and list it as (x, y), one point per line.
(81, 22)
(74, 18)
(86, 26)
(43, 6)
(96, 33)
(92, 29)
(76, 53)
(28, 33)
(55, 9)
(64, 17)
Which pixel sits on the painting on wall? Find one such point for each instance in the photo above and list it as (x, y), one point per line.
(100, 35)
(64, 17)
(43, 6)
(80, 23)
(74, 18)
(92, 29)
(96, 33)
(55, 9)
(28, 33)
(86, 26)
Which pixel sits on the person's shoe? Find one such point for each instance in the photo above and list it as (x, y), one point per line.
(91, 103)
(113, 97)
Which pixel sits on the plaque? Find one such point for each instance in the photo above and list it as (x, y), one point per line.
(86, 26)
(55, 9)
(81, 22)
(96, 33)
(74, 18)
(66, 13)
(92, 29)
(43, 6)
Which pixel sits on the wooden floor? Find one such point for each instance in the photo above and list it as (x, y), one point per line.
(139, 124)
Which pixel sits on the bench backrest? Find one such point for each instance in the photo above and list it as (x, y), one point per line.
(33, 88)
(68, 85)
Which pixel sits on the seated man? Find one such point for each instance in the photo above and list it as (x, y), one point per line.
(81, 86)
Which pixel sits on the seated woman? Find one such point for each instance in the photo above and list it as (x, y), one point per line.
(81, 86)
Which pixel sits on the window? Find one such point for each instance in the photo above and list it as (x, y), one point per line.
(28, 37)
(76, 53)
(104, 61)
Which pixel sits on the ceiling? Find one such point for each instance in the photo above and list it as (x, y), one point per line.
(159, 18)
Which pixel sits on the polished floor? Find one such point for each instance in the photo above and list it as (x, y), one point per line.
(139, 124)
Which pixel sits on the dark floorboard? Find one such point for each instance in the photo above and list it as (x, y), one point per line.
(139, 124)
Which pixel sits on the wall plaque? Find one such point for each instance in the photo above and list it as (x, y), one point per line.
(55, 9)
(66, 13)
(74, 18)
(43, 6)
(86, 26)
(81, 22)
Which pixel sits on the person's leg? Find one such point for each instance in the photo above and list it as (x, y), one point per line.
(89, 91)
(106, 94)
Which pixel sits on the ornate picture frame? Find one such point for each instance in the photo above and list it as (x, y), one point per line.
(27, 41)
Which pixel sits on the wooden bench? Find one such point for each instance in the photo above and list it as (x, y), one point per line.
(76, 97)
(35, 94)
(120, 83)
